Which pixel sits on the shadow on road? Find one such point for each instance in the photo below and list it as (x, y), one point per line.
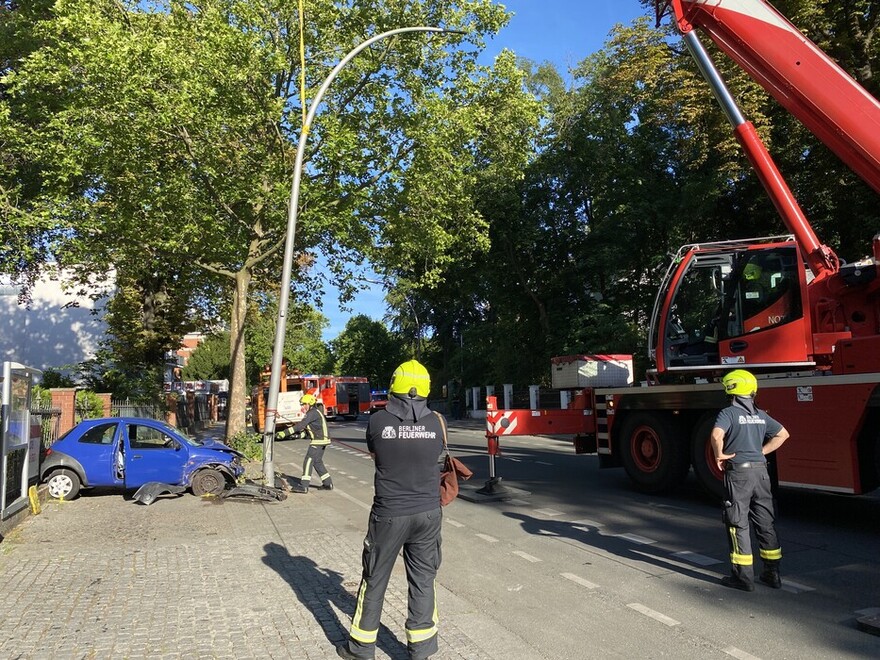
(623, 548)
(318, 588)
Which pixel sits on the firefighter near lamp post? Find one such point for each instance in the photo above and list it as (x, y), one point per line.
(283, 303)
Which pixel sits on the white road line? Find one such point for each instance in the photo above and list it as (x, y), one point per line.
(587, 523)
(739, 653)
(526, 556)
(543, 463)
(353, 500)
(339, 472)
(515, 460)
(487, 538)
(647, 611)
(550, 513)
(454, 523)
(363, 483)
(795, 587)
(694, 558)
(350, 476)
(635, 538)
(579, 580)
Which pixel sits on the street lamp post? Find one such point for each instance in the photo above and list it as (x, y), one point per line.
(281, 325)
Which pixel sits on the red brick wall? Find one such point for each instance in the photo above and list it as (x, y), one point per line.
(65, 399)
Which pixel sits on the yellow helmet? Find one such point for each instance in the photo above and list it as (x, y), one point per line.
(410, 378)
(307, 399)
(740, 383)
(752, 272)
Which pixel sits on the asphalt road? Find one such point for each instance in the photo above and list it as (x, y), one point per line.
(584, 566)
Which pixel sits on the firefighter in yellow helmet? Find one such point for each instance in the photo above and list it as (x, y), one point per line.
(405, 440)
(742, 438)
(313, 425)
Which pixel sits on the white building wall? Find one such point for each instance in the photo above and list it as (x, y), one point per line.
(58, 329)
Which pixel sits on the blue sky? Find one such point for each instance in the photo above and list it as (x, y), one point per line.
(560, 31)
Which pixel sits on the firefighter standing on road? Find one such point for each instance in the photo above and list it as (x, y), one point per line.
(742, 438)
(315, 425)
(405, 439)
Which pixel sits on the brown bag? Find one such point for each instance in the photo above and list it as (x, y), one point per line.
(452, 470)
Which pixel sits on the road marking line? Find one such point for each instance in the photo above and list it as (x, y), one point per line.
(795, 587)
(515, 460)
(739, 653)
(871, 611)
(526, 556)
(635, 538)
(694, 558)
(487, 538)
(350, 476)
(543, 463)
(353, 500)
(454, 523)
(340, 472)
(647, 611)
(550, 513)
(587, 523)
(363, 483)
(579, 580)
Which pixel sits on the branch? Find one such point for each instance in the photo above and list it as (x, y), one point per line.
(187, 140)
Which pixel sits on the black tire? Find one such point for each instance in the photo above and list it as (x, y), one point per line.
(64, 484)
(703, 458)
(208, 481)
(653, 454)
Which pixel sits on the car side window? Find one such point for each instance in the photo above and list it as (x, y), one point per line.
(147, 437)
(99, 435)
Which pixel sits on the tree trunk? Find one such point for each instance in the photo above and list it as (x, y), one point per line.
(235, 408)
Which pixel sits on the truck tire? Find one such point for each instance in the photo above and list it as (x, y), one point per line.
(653, 454)
(703, 458)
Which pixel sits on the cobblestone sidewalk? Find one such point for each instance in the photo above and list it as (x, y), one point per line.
(104, 577)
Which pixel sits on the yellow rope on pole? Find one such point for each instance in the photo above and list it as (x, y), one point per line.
(302, 61)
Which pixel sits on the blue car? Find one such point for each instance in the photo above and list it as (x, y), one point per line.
(127, 452)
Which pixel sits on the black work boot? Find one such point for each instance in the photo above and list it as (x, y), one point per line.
(770, 575)
(327, 484)
(299, 488)
(738, 579)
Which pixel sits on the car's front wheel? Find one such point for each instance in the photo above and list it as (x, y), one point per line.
(208, 481)
(63, 484)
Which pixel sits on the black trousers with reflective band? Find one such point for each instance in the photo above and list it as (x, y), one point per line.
(418, 535)
(314, 459)
(749, 502)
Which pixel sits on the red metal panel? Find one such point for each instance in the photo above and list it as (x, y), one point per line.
(540, 422)
(824, 422)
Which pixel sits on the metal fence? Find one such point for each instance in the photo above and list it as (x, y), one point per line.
(129, 408)
(49, 420)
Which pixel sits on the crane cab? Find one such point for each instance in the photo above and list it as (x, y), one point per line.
(733, 304)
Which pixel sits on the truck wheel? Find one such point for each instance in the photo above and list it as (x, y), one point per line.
(653, 456)
(703, 458)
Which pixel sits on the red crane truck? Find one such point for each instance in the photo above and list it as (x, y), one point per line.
(784, 307)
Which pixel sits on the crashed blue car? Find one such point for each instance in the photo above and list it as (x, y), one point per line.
(128, 452)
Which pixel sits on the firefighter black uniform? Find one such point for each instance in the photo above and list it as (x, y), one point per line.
(742, 437)
(314, 426)
(406, 440)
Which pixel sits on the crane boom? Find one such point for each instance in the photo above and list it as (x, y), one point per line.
(796, 72)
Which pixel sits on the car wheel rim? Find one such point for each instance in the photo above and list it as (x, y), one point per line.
(60, 486)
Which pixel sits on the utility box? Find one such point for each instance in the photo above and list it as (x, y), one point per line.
(575, 371)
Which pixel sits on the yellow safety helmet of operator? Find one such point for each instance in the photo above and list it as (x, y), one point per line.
(740, 383)
(752, 272)
(307, 400)
(410, 379)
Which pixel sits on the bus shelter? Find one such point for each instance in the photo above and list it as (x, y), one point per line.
(20, 440)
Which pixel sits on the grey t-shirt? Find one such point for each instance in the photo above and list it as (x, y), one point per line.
(745, 432)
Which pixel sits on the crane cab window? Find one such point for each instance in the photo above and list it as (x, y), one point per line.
(727, 295)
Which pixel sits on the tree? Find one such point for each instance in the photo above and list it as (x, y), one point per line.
(175, 139)
(367, 348)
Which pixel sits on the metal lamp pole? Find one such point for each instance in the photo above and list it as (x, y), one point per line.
(281, 325)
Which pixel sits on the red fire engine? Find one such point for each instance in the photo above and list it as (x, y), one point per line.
(783, 307)
(341, 396)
